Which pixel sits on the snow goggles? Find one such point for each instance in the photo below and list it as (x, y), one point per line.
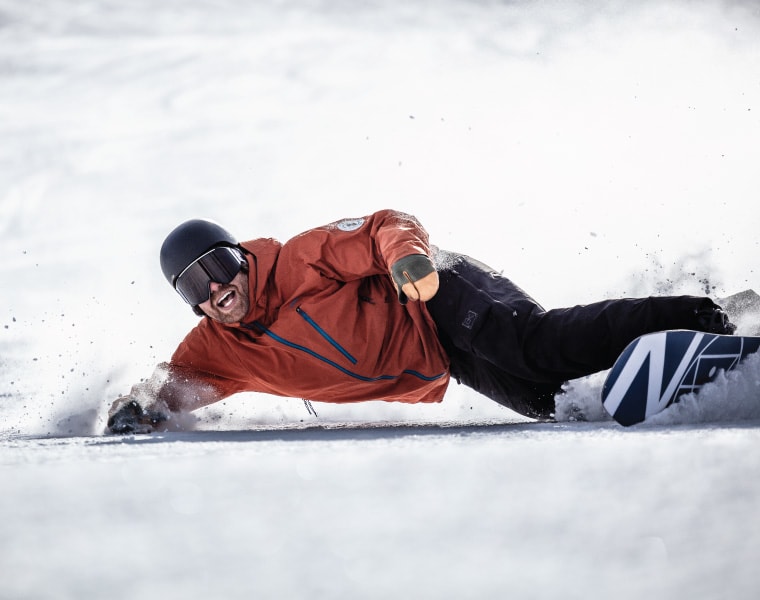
(220, 264)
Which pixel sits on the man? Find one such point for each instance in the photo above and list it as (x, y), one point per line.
(366, 309)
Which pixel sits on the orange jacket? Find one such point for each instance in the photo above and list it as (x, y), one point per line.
(324, 322)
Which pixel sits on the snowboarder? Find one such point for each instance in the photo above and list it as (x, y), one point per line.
(366, 309)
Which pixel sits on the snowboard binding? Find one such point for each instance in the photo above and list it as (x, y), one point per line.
(715, 320)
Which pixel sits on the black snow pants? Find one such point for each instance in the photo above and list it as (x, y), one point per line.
(503, 344)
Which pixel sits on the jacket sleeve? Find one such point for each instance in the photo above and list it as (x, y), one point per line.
(169, 390)
(355, 248)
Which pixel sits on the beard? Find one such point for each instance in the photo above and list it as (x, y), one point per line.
(230, 302)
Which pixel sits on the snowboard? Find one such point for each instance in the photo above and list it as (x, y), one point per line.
(656, 369)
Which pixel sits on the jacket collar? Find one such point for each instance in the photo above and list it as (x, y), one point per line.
(261, 255)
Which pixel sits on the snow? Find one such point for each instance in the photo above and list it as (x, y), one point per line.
(589, 150)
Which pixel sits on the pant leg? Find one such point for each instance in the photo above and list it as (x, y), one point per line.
(503, 344)
(480, 316)
(568, 343)
(529, 398)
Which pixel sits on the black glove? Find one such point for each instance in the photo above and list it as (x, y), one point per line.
(133, 418)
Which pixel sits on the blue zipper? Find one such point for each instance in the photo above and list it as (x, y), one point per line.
(326, 335)
(332, 363)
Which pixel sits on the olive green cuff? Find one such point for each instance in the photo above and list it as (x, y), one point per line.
(415, 266)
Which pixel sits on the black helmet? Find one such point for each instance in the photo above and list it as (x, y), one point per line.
(188, 242)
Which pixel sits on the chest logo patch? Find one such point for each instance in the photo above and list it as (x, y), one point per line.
(349, 224)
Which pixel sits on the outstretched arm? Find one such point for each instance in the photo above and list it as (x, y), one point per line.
(152, 403)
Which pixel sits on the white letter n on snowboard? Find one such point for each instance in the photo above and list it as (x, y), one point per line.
(653, 347)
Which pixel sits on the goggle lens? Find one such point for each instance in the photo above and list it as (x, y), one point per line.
(221, 264)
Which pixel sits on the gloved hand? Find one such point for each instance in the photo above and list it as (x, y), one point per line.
(415, 278)
(127, 416)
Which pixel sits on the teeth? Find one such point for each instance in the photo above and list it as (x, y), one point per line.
(225, 300)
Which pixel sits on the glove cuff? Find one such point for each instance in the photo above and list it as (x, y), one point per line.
(414, 265)
(410, 268)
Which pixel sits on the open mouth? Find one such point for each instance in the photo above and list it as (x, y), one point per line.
(226, 299)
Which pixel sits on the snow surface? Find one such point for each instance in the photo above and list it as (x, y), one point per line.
(588, 149)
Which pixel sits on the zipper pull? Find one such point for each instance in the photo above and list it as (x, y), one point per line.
(310, 408)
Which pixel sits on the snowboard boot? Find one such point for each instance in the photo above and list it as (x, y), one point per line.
(714, 320)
